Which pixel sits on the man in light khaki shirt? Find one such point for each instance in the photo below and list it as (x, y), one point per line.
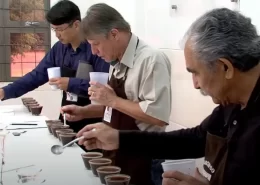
(147, 84)
(139, 93)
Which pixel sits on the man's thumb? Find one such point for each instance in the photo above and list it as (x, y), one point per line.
(200, 177)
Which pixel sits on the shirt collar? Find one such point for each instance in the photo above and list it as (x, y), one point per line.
(82, 47)
(255, 95)
(129, 55)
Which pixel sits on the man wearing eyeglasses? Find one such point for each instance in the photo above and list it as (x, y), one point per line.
(65, 21)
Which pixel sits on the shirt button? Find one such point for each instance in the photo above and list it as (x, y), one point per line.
(234, 122)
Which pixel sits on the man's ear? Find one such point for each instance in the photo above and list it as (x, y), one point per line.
(115, 34)
(77, 24)
(227, 67)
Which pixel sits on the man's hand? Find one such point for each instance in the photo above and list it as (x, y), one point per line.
(73, 112)
(178, 178)
(103, 137)
(2, 94)
(61, 82)
(102, 94)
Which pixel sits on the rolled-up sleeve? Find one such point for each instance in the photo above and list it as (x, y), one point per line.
(155, 88)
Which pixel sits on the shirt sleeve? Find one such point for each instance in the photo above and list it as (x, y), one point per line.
(33, 79)
(178, 144)
(155, 88)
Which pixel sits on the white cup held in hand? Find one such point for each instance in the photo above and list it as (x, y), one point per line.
(99, 77)
(54, 72)
(186, 166)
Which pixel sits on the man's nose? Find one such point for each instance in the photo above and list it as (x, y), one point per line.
(94, 51)
(57, 34)
(195, 82)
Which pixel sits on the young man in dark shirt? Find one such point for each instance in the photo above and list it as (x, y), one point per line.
(67, 53)
(222, 53)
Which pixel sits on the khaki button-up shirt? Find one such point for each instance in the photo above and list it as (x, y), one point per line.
(148, 81)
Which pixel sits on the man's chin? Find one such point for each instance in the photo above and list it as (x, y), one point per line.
(223, 103)
(216, 101)
(108, 60)
(64, 42)
(203, 93)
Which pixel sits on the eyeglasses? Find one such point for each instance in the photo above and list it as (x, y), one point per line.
(62, 29)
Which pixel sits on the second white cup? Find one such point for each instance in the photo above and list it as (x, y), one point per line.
(54, 72)
(186, 166)
(99, 77)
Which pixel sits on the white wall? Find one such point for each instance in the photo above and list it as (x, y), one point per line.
(250, 8)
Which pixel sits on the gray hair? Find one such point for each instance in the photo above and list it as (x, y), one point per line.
(223, 33)
(101, 19)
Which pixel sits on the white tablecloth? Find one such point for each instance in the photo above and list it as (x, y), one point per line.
(33, 148)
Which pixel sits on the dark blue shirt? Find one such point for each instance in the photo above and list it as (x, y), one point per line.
(54, 58)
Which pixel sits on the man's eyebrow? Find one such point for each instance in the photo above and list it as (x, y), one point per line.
(190, 70)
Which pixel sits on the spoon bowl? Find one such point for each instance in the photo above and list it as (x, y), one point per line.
(58, 149)
(18, 133)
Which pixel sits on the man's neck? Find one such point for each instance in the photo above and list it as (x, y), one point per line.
(75, 44)
(246, 85)
(125, 41)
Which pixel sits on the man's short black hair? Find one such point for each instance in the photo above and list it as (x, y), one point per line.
(63, 12)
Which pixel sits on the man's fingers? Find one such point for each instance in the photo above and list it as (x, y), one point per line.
(99, 144)
(67, 108)
(53, 79)
(95, 84)
(70, 117)
(89, 134)
(199, 176)
(197, 173)
(90, 144)
(87, 128)
(170, 181)
(175, 175)
(109, 87)
(92, 89)
(54, 83)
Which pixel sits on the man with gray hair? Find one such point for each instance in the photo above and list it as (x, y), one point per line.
(222, 52)
(139, 94)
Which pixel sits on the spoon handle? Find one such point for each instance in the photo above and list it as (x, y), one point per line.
(64, 119)
(75, 140)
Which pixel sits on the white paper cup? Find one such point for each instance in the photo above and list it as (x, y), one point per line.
(99, 77)
(54, 72)
(177, 161)
(186, 166)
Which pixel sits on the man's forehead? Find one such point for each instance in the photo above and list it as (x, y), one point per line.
(57, 26)
(96, 39)
(188, 54)
(190, 60)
